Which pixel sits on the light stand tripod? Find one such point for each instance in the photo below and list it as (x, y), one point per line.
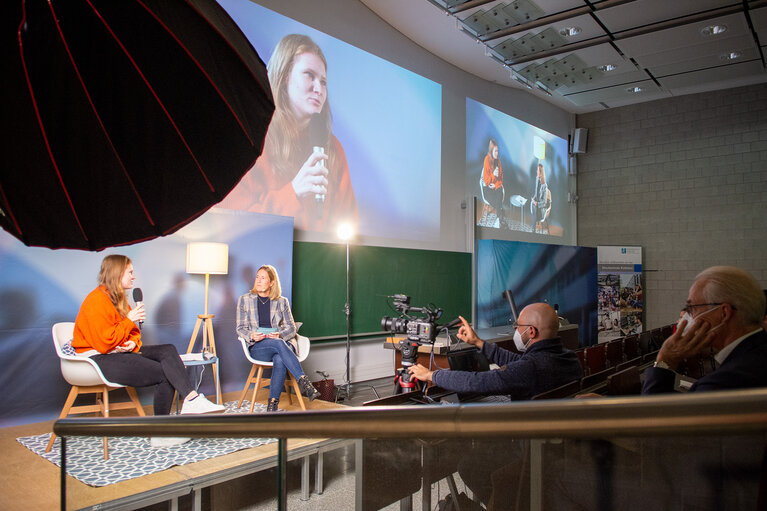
(348, 312)
(345, 232)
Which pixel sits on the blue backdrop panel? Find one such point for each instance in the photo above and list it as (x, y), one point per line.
(536, 272)
(40, 287)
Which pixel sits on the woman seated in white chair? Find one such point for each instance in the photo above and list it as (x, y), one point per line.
(106, 330)
(265, 320)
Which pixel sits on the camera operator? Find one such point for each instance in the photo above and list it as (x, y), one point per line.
(491, 469)
(543, 365)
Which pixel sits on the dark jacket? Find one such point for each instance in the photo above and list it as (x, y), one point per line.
(545, 365)
(745, 367)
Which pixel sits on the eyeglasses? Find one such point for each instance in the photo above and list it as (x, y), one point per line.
(516, 325)
(689, 307)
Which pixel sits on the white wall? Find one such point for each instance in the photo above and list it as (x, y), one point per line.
(685, 178)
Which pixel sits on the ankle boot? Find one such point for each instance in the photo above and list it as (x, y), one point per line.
(307, 389)
(271, 406)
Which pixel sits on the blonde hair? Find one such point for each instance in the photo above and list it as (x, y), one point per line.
(110, 276)
(728, 284)
(271, 272)
(285, 146)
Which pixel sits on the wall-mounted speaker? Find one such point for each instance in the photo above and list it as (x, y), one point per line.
(580, 138)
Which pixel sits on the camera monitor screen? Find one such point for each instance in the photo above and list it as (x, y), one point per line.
(354, 138)
(519, 174)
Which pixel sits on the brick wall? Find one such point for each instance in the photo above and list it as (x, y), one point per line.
(686, 179)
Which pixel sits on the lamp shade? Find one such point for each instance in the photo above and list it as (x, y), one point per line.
(210, 258)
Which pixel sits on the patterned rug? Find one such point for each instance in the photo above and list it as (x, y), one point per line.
(131, 457)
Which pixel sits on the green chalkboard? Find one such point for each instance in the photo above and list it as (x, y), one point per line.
(427, 276)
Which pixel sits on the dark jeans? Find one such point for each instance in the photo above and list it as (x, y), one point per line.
(156, 365)
(495, 197)
(283, 359)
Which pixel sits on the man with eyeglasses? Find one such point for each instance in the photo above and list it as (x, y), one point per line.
(543, 364)
(724, 312)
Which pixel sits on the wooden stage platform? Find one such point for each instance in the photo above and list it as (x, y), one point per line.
(29, 481)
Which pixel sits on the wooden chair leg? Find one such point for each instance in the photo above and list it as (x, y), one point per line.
(105, 413)
(247, 385)
(134, 398)
(259, 376)
(288, 382)
(298, 393)
(74, 391)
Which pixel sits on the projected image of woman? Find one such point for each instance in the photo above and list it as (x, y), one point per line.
(303, 171)
(492, 178)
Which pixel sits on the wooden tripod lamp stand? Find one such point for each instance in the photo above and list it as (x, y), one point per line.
(206, 258)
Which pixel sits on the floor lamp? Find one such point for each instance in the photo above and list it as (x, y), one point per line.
(206, 258)
(346, 233)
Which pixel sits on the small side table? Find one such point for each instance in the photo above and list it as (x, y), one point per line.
(519, 202)
(196, 360)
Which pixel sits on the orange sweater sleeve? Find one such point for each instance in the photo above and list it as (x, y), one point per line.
(99, 326)
(487, 173)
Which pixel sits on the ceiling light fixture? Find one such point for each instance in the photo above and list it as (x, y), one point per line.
(607, 68)
(711, 30)
(634, 90)
(733, 55)
(570, 31)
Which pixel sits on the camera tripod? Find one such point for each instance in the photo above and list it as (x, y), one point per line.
(404, 381)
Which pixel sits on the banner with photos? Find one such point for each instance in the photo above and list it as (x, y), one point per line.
(620, 291)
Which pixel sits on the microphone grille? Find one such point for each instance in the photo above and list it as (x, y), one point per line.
(138, 296)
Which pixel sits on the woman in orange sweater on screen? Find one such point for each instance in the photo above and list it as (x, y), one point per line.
(302, 171)
(106, 330)
(492, 178)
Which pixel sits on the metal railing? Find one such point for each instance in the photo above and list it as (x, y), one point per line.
(712, 413)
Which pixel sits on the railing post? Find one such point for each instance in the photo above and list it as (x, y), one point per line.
(282, 474)
(63, 473)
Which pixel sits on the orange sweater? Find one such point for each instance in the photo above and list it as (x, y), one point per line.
(99, 326)
(488, 173)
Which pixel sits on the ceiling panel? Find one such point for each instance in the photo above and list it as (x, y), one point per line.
(619, 93)
(658, 39)
(712, 61)
(686, 36)
(717, 78)
(701, 55)
(645, 12)
(759, 19)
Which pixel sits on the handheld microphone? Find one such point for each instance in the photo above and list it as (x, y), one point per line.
(138, 297)
(318, 137)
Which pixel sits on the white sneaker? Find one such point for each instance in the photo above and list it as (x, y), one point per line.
(167, 441)
(200, 404)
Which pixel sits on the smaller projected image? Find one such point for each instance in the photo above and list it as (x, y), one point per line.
(521, 173)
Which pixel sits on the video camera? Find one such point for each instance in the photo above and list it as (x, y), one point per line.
(421, 329)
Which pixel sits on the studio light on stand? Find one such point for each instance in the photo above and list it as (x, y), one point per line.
(345, 234)
(208, 259)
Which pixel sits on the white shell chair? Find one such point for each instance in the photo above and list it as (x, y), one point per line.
(86, 378)
(258, 371)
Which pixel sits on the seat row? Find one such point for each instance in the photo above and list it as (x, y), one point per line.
(611, 382)
(623, 350)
